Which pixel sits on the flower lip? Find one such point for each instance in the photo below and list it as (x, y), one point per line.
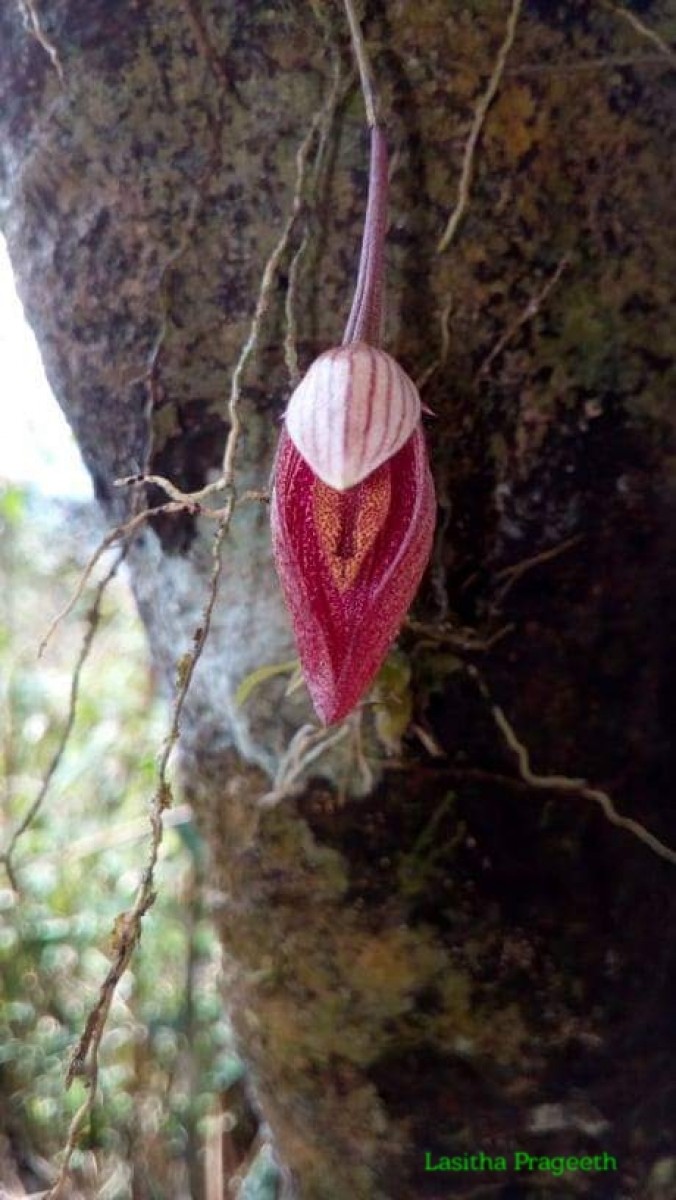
(347, 597)
(352, 411)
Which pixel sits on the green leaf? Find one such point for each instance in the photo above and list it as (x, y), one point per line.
(296, 681)
(252, 681)
(393, 701)
(12, 504)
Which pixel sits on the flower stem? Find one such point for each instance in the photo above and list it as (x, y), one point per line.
(359, 47)
(364, 323)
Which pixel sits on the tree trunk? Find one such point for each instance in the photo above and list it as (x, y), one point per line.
(431, 951)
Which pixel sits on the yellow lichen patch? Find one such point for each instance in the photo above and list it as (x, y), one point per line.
(288, 1032)
(392, 965)
(314, 1023)
(347, 528)
(515, 123)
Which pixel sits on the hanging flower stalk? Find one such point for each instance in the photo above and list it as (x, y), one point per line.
(353, 506)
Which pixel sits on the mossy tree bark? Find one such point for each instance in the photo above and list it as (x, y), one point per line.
(450, 960)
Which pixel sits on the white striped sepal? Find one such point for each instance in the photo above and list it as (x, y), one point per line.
(353, 410)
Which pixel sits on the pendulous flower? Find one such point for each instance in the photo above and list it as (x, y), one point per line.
(353, 506)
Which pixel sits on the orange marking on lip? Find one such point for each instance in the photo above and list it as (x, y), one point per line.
(348, 523)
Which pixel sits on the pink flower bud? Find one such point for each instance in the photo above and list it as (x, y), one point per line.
(349, 563)
(353, 505)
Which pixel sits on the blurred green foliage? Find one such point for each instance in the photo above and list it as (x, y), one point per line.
(167, 1053)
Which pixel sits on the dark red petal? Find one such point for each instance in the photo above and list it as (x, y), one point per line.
(349, 564)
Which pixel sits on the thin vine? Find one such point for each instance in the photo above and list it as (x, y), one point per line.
(480, 113)
(84, 1061)
(92, 618)
(564, 783)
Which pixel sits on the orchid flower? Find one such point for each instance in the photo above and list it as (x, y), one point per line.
(352, 506)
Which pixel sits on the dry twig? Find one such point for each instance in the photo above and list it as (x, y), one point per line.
(513, 574)
(33, 23)
(480, 113)
(465, 641)
(118, 534)
(566, 784)
(640, 27)
(363, 66)
(444, 325)
(532, 308)
(93, 617)
(307, 744)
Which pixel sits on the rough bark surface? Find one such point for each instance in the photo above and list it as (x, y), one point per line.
(456, 961)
